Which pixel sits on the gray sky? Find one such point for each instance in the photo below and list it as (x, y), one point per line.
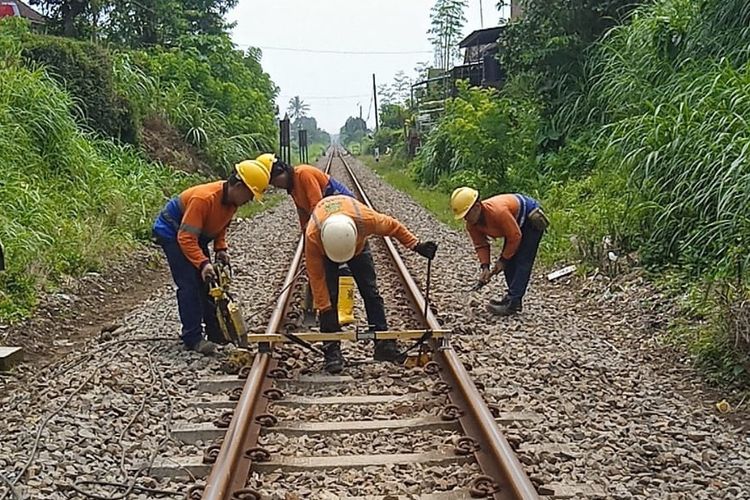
(334, 84)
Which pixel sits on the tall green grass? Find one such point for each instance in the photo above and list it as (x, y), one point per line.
(650, 152)
(670, 95)
(68, 203)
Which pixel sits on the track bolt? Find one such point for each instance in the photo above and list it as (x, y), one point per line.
(495, 410)
(211, 453)
(441, 388)
(432, 368)
(245, 494)
(266, 420)
(466, 446)
(195, 492)
(224, 420)
(483, 487)
(258, 454)
(451, 412)
(273, 394)
(235, 394)
(278, 373)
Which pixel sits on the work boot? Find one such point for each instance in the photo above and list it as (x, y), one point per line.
(513, 306)
(500, 302)
(387, 350)
(333, 359)
(205, 347)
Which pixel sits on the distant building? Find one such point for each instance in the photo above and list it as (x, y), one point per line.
(16, 8)
(481, 67)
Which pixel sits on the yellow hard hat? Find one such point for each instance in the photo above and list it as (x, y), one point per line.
(255, 176)
(462, 200)
(267, 159)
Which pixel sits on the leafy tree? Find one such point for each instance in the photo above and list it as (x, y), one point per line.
(231, 98)
(65, 14)
(447, 21)
(297, 108)
(314, 134)
(353, 130)
(393, 116)
(550, 42)
(385, 94)
(482, 139)
(401, 87)
(137, 23)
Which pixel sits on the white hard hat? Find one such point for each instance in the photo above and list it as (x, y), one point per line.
(338, 233)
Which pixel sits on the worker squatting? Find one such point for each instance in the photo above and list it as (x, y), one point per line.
(336, 228)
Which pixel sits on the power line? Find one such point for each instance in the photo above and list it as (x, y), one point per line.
(321, 97)
(346, 52)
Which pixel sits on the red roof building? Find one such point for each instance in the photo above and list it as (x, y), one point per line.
(16, 8)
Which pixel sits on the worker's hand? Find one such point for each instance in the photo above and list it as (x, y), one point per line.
(426, 249)
(485, 275)
(223, 257)
(329, 321)
(208, 273)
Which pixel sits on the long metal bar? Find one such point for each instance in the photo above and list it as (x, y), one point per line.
(496, 457)
(347, 336)
(231, 469)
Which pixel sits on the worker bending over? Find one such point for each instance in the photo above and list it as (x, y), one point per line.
(185, 227)
(516, 218)
(307, 185)
(338, 232)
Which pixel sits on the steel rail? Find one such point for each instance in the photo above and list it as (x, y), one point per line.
(495, 455)
(232, 467)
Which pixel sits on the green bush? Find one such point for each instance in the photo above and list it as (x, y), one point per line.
(387, 137)
(85, 70)
(491, 139)
(219, 97)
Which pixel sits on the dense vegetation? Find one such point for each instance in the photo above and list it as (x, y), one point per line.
(630, 123)
(79, 120)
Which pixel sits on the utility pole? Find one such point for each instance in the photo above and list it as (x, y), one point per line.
(375, 97)
(360, 111)
(481, 15)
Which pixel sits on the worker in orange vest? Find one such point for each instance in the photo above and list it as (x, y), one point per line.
(337, 233)
(306, 184)
(184, 228)
(521, 222)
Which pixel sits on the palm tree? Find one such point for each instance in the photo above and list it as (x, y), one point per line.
(297, 108)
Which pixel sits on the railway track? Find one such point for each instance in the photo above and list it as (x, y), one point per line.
(378, 430)
(588, 416)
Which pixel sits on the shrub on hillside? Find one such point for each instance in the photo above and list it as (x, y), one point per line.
(490, 136)
(68, 204)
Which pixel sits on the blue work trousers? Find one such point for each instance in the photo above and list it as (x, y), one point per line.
(193, 302)
(518, 269)
(363, 271)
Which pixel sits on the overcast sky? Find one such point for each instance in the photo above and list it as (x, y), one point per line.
(334, 83)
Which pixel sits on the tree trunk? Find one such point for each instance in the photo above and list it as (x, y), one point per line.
(70, 11)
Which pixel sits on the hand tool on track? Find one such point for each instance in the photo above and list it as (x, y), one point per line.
(228, 313)
(480, 284)
(422, 358)
(231, 322)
